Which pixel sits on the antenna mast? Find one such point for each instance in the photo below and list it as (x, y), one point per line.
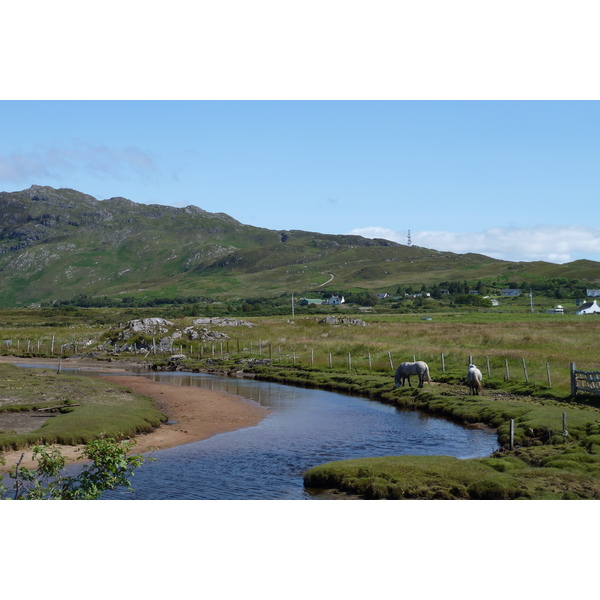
(408, 242)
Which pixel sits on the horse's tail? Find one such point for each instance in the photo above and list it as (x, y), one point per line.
(478, 382)
(428, 376)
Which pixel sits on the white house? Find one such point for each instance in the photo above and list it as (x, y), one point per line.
(588, 308)
(334, 300)
(557, 310)
(511, 292)
(592, 293)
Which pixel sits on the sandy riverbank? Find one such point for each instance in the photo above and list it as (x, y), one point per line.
(194, 414)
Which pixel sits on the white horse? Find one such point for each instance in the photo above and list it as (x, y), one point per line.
(406, 369)
(474, 380)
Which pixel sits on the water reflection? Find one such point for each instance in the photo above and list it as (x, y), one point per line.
(307, 427)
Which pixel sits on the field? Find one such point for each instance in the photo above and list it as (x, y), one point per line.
(524, 357)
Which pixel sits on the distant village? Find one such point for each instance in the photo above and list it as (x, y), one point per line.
(587, 306)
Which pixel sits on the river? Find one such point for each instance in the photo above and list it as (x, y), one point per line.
(307, 427)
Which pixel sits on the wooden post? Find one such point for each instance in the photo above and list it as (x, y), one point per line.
(470, 359)
(270, 352)
(525, 371)
(512, 434)
(391, 363)
(443, 364)
(487, 361)
(312, 357)
(330, 361)
(507, 375)
(349, 361)
(52, 346)
(370, 364)
(548, 373)
(565, 432)
(573, 380)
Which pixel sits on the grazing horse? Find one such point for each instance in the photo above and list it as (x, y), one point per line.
(474, 380)
(406, 369)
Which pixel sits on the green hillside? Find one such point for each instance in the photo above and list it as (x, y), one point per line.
(57, 243)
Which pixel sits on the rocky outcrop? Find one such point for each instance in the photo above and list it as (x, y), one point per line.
(332, 320)
(222, 321)
(160, 335)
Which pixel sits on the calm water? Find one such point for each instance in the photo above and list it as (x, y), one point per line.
(307, 427)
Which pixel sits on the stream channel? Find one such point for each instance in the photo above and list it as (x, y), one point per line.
(307, 427)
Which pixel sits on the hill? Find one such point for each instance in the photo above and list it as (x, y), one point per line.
(57, 243)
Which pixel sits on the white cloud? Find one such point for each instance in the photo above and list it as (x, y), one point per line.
(380, 232)
(51, 162)
(551, 244)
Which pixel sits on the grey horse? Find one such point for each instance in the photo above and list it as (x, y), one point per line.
(406, 369)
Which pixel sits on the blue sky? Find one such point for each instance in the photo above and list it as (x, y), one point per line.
(510, 179)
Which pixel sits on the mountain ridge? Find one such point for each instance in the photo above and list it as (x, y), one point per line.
(57, 243)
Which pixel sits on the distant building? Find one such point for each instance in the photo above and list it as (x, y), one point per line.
(510, 292)
(588, 308)
(334, 300)
(383, 295)
(557, 310)
(307, 301)
(592, 293)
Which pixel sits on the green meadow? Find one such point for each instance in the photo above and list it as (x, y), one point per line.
(524, 358)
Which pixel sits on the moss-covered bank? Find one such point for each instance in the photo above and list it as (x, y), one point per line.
(546, 462)
(67, 409)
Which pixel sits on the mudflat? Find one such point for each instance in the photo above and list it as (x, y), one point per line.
(193, 413)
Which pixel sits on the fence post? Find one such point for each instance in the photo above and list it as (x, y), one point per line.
(443, 364)
(349, 361)
(391, 363)
(507, 375)
(565, 432)
(370, 364)
(512, 434)
(573, 380)
(525, 371)
(487, 360)
(548, 373)
(330, 361)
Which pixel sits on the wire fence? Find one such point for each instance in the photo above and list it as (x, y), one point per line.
(536, 372)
